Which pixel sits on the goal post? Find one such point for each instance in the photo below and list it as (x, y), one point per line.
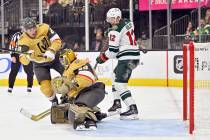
(196, 86)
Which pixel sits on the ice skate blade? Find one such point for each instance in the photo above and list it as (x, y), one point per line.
(130, 117)
(111, 113)
(83, 128)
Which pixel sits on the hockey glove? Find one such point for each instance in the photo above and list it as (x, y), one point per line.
(23, 59)
(101, 58)
(31, 55)
(49, 54)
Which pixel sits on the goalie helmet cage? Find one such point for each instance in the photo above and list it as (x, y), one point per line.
(196, 87)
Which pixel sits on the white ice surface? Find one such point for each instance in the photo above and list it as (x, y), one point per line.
(160, 112)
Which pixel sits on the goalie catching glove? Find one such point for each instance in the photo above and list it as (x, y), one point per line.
(62, 85)
(101, 58)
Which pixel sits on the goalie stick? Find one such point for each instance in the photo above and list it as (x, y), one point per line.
(45, 113)
(94, 70)
(35, 117)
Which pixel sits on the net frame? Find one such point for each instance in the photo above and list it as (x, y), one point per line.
(190, 83)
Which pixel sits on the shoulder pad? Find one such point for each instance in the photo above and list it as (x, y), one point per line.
(42, 29)
(22, 40)
(43, 26)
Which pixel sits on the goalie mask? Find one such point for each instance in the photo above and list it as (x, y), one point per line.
(67, 57)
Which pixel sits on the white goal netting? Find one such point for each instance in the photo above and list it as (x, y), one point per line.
(202, 87)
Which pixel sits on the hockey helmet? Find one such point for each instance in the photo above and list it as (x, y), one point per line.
(113, 13)
(28, 23)
(67, 56)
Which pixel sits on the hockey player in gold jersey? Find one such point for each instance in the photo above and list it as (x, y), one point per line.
(78, 86)
(42, 44)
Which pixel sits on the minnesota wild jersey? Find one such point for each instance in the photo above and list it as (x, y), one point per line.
(122, 42)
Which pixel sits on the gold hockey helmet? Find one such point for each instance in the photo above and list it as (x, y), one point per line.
(67, 56)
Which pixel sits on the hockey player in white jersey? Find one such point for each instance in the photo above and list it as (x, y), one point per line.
(122, 46)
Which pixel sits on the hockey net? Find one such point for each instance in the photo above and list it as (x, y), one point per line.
(196, 87)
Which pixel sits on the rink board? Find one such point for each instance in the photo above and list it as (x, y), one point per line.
(154, 69)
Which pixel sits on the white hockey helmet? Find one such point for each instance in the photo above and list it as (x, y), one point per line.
(114, 13)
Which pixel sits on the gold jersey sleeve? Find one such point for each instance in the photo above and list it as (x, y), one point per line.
(40, 44)
(70, 71)
(82, 80)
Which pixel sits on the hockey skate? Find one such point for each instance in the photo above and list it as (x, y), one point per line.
(87, 125)
(54, 101)
(116, 107)
(100, 115)
(9, 90)
(28, 90)
(131, 114)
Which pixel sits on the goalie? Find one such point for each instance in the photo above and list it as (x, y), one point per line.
(80, 93)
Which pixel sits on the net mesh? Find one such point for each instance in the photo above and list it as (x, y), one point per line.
(202, 88)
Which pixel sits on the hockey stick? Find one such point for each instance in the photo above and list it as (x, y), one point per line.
(95, 66)
(13, 51)
(19, 52)
(35, 117)
(47, 112)
(94, 70)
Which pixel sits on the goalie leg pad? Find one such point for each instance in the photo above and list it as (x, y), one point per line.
(59, 113)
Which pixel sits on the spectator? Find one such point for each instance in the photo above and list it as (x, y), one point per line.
(79, 45)
(64, 3)
(56, 12)
(207, 26)
(140, 43)
(143, 36)
(97, 43)
(96, 2)
(201, 31)
(144, 42)
(45, 7)
(207, 17)
(190, 35)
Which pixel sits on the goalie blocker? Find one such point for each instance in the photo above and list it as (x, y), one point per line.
(83, 109)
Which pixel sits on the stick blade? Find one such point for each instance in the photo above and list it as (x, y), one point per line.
(25, 113)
